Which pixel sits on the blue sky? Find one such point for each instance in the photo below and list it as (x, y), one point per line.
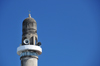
(68, 30)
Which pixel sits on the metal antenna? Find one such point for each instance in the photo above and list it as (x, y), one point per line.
(29, 13)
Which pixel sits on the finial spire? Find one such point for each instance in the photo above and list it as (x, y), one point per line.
(29, 14)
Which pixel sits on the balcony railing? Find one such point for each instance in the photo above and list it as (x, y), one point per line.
(28, 54)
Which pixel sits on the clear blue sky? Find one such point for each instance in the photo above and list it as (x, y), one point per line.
(68, 30)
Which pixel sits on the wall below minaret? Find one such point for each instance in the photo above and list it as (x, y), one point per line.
(29, 61)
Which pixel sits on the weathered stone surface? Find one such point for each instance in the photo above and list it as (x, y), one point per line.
(29, 30)
(29, 61)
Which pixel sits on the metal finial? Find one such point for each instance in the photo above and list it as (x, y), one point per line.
(29, 13)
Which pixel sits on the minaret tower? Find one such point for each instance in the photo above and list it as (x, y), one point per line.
(30, 48)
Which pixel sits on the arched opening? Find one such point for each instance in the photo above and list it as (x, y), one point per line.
(31, 40)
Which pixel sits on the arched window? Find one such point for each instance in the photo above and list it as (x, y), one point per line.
(31, 40)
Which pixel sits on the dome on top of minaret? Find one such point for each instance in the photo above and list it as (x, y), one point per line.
(29, 19)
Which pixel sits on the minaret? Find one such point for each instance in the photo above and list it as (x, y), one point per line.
(30, 48)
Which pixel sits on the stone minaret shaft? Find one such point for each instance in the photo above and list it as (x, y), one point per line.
(30, 48)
